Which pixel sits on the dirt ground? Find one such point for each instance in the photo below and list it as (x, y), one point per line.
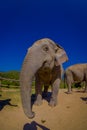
(69, 114)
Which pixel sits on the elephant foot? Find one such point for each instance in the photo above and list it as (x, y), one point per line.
(85, 91)
(38, 101)
(53, 102)
(69, 92)
(32, 115)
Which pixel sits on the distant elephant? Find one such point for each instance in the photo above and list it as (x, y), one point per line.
(43, 61)
(76, 74)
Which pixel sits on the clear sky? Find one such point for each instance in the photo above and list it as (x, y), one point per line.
(24, 21)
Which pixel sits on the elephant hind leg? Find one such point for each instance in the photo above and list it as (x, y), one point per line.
(46, 88)
(69, 80)
(45, 91)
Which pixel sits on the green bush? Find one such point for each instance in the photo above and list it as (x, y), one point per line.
(10, 75)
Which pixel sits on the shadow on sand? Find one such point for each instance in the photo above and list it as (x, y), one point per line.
(6, 102)
(45, 96)
(33, 126)
(84, 99)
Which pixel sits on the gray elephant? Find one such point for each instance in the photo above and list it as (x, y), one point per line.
(42, 61)
(76, 74)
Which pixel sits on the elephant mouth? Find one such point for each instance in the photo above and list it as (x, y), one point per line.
(47, 64)
(44, 74)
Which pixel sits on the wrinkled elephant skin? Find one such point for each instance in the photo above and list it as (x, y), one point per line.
(42, 59)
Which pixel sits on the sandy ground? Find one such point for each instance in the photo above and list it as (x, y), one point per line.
(69, 114)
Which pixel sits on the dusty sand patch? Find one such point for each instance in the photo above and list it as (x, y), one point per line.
(69, 114)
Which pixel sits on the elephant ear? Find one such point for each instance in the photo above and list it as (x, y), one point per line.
(61, 56)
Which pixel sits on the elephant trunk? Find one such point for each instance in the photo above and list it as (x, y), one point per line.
(26, 77)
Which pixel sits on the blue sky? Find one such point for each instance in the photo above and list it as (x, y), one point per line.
(24, 21)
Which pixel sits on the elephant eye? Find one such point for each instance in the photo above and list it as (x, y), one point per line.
(56, 50)
(46, 49)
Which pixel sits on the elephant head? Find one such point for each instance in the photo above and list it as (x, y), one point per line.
(42, 53)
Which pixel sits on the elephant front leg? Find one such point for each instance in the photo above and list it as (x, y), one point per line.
(38, 90)
(55, 90)
(69, 88)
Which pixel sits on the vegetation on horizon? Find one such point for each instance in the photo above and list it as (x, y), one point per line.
(15, 84)
(10, 75)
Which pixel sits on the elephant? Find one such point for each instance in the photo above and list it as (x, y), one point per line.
(76, 73)
(43, 62)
